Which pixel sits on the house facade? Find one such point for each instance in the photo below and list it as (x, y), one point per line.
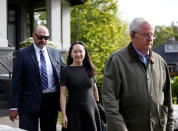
(169, 52)
(17, 21)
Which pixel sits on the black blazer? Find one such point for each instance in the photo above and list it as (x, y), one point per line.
(26, 88)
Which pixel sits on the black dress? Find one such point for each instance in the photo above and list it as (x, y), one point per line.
(81, 109)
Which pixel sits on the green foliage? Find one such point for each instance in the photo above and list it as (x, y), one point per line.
(97, 25)
(26, 43)
(174, 85)
(163, 33)
(59, 117)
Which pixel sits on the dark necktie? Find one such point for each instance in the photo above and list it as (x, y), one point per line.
(44, 76)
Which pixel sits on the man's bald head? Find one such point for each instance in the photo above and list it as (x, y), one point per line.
(40, 36)
(40, 29)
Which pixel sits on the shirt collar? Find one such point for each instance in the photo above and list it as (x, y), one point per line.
(140, 54)
(135, 55)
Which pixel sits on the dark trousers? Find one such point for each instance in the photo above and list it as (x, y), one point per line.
(47, 116)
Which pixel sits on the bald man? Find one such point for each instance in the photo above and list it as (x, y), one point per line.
(35, 84)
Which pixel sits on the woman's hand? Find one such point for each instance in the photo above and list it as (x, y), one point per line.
(64, 121)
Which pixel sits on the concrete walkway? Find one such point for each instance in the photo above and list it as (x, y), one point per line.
(4, 120)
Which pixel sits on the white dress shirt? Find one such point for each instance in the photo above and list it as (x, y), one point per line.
(51, 81)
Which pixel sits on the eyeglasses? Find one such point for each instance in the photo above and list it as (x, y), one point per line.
(147, 35)
(40, 37)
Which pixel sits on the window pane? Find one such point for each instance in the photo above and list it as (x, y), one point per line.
(11, 17)
(11, 34)
(28, 27)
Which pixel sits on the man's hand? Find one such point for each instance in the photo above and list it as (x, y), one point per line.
(13, 115)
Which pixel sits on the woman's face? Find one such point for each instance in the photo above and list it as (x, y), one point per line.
(78, 54)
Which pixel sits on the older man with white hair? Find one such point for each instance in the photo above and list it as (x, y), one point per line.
(136, 85)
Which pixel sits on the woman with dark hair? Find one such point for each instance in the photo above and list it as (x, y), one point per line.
(81, 112)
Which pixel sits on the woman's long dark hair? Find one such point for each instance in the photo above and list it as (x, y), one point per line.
(87, 63)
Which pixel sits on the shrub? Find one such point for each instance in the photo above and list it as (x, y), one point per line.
(174, 85)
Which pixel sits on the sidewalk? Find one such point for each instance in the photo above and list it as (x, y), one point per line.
(4, 120)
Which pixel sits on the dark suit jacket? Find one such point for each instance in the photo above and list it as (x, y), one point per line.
(26, 89)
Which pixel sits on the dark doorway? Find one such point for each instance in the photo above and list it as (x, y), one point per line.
(13, 27)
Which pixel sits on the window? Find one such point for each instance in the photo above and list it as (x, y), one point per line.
(29, 23)
(11, 28)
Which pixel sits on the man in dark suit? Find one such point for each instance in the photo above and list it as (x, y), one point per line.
(35, 84)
